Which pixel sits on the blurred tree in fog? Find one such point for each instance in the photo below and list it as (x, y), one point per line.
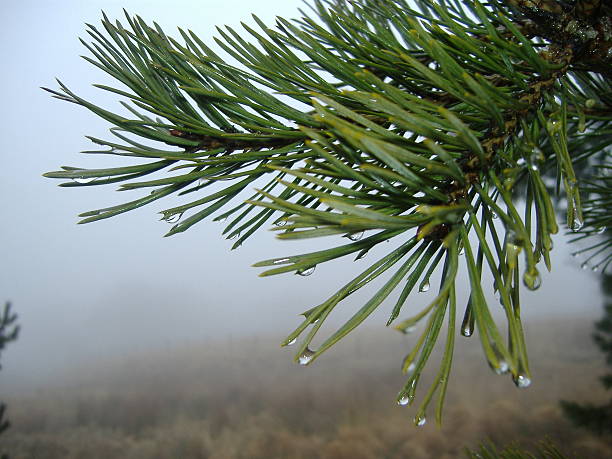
(8, 332)
(424, 122)
(545, 450)
(594, 417)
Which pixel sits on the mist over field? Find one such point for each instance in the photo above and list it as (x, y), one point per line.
(246, 399)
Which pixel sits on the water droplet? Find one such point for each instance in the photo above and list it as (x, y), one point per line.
(292, 342)
(234, 235)
(411, 368)
(410, 329)
(420, 420)
(521, 162)
(403, 400)
(537, 155)
(513, 238)
(494, 215)
(306, 357)
(532, 279)
(361, 254)
(83, 179)
(281, 223)
(222, 219)
(600, 230)
(424, 286)
(306, 271)
(584, 265)
(502, 367)
(280, 261)
(174, 218)
(467, 330)
(553, 126)
(575, 254)
(577, 223)
(355, 236)
(595, 268)
(513, 248)
(522, 381)
(589, 103)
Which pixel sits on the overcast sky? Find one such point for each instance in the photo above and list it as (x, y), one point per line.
(116, 286)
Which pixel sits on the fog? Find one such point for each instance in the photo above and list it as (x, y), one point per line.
(87, 292)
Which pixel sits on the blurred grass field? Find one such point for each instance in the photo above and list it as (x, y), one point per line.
(247, 399)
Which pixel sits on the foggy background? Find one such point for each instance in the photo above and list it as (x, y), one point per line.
(115, 287)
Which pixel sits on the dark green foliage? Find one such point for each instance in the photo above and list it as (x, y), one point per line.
(603, 334)
(597, 418)
(8, 332)
(546, 450)
(436, 127)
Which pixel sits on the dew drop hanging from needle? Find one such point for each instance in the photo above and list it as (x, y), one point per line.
(532, 279)
(306, 271)
(355, 236)
(280, 261)
(424, 287)
(502, 367)
(174, 218)
(306, 357)
(404, 400)
(577, 223)
(467, 329)
(83, 180)
(522, 381)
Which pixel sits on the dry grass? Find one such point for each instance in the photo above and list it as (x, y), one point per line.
(247, 400)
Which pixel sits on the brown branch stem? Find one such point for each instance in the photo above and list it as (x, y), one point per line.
(213, 143)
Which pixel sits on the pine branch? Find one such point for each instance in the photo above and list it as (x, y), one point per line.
(427, 125)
